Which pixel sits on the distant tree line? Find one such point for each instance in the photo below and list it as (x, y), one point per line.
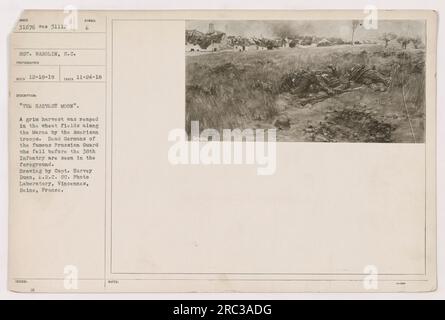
(294, 40)
(404, 41)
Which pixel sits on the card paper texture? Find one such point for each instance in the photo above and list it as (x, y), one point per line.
(222, 151)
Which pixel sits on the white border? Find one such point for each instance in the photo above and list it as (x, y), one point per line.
(10, 11)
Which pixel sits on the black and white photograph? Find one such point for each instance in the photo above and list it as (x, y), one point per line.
(229, 157)
(312, 81)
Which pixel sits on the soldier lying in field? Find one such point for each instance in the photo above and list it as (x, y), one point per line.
(330, 81)
(365, 75)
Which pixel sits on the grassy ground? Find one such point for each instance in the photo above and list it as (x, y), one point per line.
(227, 90)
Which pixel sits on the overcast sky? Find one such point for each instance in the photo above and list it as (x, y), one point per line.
(327, 28)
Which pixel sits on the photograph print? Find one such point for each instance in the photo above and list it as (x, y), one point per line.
(312, 81)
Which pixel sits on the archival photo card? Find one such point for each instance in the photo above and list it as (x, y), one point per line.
(222, 151)
(313, 81)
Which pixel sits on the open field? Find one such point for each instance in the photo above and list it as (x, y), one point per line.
(228, 90)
